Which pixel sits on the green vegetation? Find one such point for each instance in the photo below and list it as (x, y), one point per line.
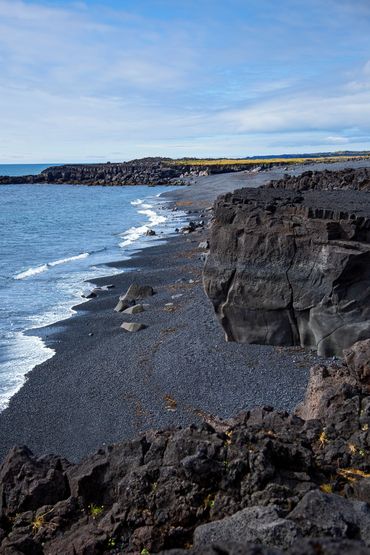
(95, 510)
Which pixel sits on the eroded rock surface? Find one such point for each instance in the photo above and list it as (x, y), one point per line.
(265, 482)
(291, 269)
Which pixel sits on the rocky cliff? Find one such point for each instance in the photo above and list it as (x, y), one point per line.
(265, 482)
(291, 269)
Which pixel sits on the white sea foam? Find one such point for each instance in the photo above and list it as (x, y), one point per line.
(27, 352)
(134, 233)
(45, 267)
(32, 272)
(70, 259)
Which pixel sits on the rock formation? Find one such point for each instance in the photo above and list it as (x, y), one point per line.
(329, 180)
(265, 482)
(290, 268)
(145, 171)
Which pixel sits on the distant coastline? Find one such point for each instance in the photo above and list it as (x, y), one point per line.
(159, 171)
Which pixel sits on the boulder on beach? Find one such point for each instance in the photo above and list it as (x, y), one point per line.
(136, 291)
(122, 305)
(89, 294)
(136, 309)
(132, 326)
(204, 245)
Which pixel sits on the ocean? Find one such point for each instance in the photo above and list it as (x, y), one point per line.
(52, 239)
(23, 169)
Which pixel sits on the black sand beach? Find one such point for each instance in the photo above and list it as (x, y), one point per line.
(109, 386)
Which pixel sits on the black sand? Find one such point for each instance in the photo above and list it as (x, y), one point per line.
(109, 386)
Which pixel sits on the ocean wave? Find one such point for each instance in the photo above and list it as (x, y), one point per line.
(134, 233)
(44, 267)
(32, 272)
(69, 259)
(27, 352)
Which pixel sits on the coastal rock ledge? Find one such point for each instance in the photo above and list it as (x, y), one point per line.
(291, 268)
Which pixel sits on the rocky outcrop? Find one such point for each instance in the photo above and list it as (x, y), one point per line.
(145, 171)
(291, 269)
(328, 180)
(265, 482)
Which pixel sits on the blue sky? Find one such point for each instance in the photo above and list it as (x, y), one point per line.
(113, 80)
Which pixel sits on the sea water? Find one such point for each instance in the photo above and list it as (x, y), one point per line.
(52, 239)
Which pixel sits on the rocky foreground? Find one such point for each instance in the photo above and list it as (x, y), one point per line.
(145, 171)
(296, 483)
(291, 267)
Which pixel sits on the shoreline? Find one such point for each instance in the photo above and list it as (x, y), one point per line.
(112, 385)
(26, 346)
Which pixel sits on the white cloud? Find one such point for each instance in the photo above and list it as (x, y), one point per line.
(78, 83)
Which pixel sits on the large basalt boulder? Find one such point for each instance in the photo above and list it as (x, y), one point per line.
(288, 269)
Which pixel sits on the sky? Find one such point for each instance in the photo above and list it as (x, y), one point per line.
(94, 80)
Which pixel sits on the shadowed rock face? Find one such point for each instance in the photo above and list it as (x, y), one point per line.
(291, 269)
(263, 477)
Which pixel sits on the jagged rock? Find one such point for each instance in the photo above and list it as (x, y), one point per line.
(254, 524)
(285, 269)
(316, 546)
(349, 178)
(26, 484)
(358, 361)
(136, 309)
(324, 389)
(153, 492)
(132, 326)
(229, 548)
(322, 546)
(319, 514)
(136, 291)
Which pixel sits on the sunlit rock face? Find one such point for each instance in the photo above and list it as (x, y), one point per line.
(291, 268)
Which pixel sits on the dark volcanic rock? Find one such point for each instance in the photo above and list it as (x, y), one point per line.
(264, 476)
(354, 179)
(144, 171)
(291, 269)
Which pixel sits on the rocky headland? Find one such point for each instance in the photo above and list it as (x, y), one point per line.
(144, 171)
